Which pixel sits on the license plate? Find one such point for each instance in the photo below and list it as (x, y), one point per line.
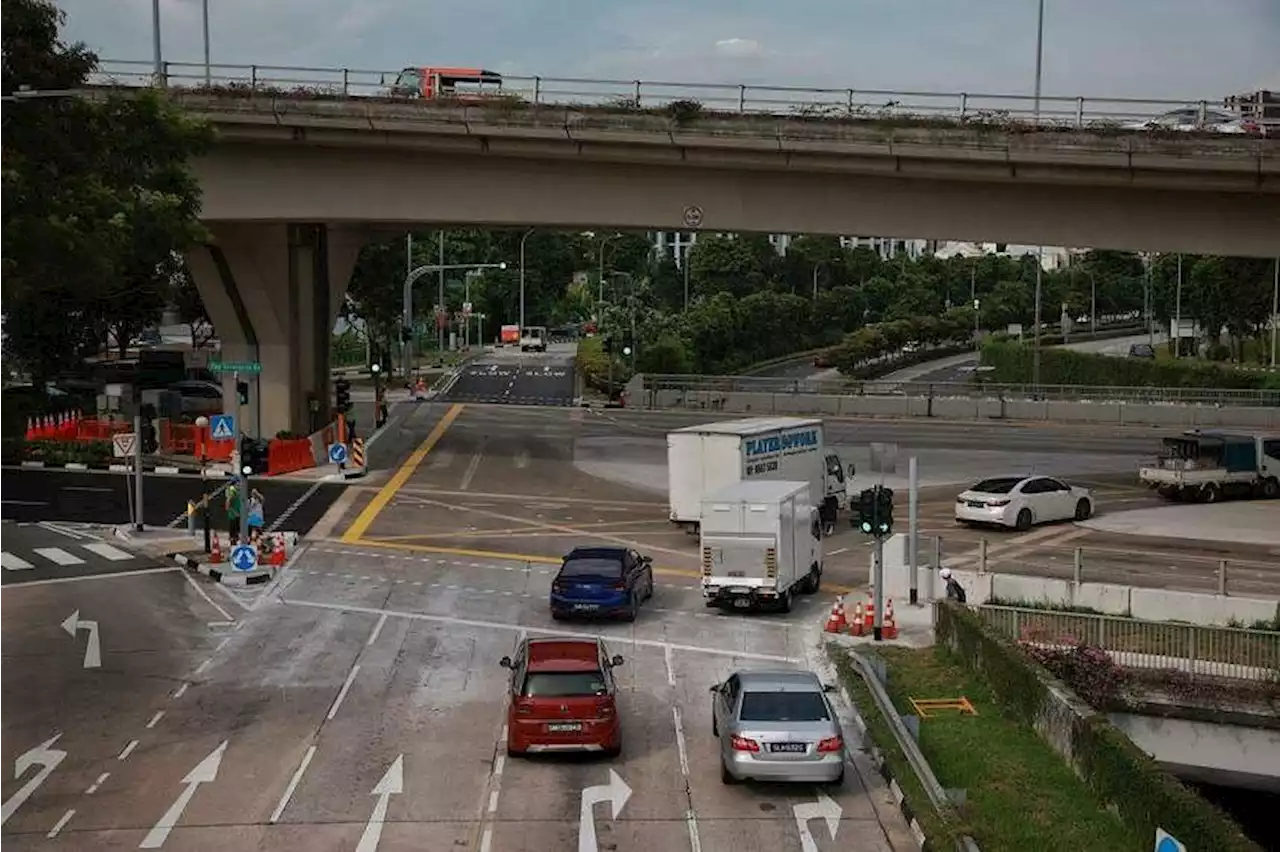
(741, 604)
(584, 606)
(977, 505)
(791, 748)
(564, 727)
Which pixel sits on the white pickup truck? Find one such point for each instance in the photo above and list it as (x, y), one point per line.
(1211, 465)
(761, 545)
(533, 338)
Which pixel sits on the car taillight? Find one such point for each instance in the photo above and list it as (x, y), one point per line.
(524, 706)
(744, 744)
(998, 503)
(619, 586)
(830, 744)
(558, 588)
(605, 708)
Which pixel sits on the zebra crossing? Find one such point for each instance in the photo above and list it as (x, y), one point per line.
(65, 556)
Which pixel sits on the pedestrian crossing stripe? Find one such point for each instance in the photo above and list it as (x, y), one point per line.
(59, 556)
(63, 557)
(106, 551)
(10, 562)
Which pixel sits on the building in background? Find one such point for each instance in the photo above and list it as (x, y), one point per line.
(676, 245)
(1055, 257)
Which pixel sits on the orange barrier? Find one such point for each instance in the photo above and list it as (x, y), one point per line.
(70, 426)
(186, 439)
(286, 456)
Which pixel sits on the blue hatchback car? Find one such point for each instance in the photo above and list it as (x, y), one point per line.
(601, 581)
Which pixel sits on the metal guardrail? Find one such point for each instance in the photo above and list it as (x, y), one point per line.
(942, 390)
(793, 101)
(1196, 650)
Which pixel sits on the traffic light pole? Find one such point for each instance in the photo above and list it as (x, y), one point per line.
(137, 471)
(913, 531)
(238, 460)
(877, 629)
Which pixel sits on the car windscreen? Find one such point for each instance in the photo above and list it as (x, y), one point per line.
(591, 567)
(783, 707)
(996, 486)
(563, 684)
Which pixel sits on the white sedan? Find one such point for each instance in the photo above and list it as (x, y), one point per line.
(1021, 501)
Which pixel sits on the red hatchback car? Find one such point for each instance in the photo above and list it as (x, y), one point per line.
(563, 697)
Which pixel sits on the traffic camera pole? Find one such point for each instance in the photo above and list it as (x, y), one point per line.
(877, 588)
(137, 471)
(913, 529)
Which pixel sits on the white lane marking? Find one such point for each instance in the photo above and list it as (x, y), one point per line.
(181, 691)
(541, 631)
(680, 743)
(342, 693)
(837, 551)
(61, 824)
(93, 788)
(53, 527)
(114, 575)
(200, 668)
(222, 644)
(58, 556)
(155, 720)
(493, 802)
(205, 595)
(128, 750)
(293, 784)
(671, 669)
(106, 551)
(470, 472)
(293, 507)
(486, 840)
(377, 628)
(10, 562)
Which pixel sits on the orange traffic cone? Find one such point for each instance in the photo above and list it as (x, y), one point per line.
(869, 616)
(215, 556)
(889, 630)
(32, 433)
(836, 621)
(278, 551)
(855, 626)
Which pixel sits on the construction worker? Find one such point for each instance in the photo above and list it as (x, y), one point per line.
(955, 592)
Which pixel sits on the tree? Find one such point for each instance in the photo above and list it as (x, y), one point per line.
(721, 264)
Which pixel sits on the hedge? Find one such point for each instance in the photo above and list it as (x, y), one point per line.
(1011, 363)
(17, 450)
(593, 365)
(1118, 772)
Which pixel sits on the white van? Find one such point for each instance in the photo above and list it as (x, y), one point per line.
(533, 339)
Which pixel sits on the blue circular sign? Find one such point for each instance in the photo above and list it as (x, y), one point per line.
(1165, 843)
(337, 453)
(244, 557)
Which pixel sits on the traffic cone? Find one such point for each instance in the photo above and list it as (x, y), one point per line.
(215, 556)
(889, 630)
(836, 621)
(278, 551)
(855, 626)
(869, 618)
(32, 432)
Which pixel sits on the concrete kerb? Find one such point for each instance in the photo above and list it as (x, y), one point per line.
(219, 574)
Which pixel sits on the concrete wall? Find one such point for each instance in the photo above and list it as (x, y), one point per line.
(1171, 415)
(1208, 752)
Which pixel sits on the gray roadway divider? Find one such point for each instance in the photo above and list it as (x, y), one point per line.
(1177, 415)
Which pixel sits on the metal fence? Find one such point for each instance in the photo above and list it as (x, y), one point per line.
(1218, 652)
(794, 101)
(942, 390)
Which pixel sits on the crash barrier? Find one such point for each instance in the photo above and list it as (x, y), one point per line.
(1086, 412)
(187, 439)
(286, 455)
(357, 452)
(72, 426)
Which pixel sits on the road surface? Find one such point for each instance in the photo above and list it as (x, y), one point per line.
(508, 376)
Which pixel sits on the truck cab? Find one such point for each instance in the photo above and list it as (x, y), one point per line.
(1209, 465)
(429, 82)
(533, 338)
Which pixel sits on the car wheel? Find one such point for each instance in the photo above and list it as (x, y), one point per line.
(648, 592)
(784, 602)
(1211, 494)
(725, 776)
(613, 752)
(1024, 520)
(1271, 488)
(838, 781)
(511, 752)
(815, 580)
(557, 616)
(634, 609)
(715, 726)
(1083, 510)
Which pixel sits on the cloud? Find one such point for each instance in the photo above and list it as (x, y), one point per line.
(738, 48)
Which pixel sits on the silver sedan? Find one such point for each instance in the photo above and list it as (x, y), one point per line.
(776, 725)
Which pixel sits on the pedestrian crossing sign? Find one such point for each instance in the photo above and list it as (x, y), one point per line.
(222, 427)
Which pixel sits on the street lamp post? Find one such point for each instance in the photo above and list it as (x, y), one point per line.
(1275, 311)
(155, 41)
(522, 239)
(1177, 314)
(208, 75)
(1035, 352)
(684, 267)
(816, 267)
(412, 276)
(1039, 55)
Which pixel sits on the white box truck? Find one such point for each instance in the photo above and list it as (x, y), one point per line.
(704, 459)
(761, 545)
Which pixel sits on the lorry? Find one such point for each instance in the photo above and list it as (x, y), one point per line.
(533, 338)
(1210, 465)
(703, 459)
(761, 545)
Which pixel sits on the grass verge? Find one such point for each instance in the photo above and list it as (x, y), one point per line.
(1020, 794)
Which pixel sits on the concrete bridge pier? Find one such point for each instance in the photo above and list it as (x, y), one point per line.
(273, 291)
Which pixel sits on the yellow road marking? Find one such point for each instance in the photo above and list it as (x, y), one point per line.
(356, 531)
(535, 558)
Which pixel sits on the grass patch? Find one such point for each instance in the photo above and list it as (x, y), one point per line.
(1020, 792)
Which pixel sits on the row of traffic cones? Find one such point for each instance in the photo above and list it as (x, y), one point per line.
(272, 549)
(863, 621)
(53, 427)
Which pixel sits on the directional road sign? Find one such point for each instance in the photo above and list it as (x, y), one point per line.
(338, 453)
(244, 557)
(235, 367)
(222, 427)
(1166, 842)
(123, 444)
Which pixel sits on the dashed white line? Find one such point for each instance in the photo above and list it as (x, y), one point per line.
(493, 801)
(226, 615)
(691, 817)
(222, 644)
(680, 743)
(128, 750)
(342, 693)
(180, 691)
(93, 788)
(155, 720)
(200, 668)
(61, 823)
(293, 784)
(377, 628)
(486, 839)
(671, 672)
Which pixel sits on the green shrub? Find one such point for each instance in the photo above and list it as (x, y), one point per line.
(1143, 794)
(593, 365)
(60, 452)
(1011, 363)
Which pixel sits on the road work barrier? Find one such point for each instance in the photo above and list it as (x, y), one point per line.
(289, 455)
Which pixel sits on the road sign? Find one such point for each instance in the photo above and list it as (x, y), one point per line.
(693, 216)
(1166, 842)
(244, 557)
(338, 453)
(222, 427)
(123, 444)
(235, 367)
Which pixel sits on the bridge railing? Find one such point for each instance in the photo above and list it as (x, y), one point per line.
(1234, 653)
(941, 390)
(792, 101)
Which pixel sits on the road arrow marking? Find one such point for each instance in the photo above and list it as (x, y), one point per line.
(42, 755)
(616, 792)
(204, 772)
(827, 808)
(392, 784)
(92, 648)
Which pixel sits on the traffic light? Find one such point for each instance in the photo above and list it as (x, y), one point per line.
(242, 392)
(626, 350)
(865, 520)
(607, 345)
(884, 512)
(875, 512)
(342, 394)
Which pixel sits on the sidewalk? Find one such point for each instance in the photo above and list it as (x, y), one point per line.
(1233, 522)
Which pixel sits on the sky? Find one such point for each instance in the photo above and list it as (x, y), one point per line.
(1159, 49)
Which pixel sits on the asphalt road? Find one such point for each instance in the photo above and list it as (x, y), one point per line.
(49, 551)
(31, 495)
(508, 376)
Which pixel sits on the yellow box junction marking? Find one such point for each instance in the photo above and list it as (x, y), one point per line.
(361, 524)
(925, 706)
